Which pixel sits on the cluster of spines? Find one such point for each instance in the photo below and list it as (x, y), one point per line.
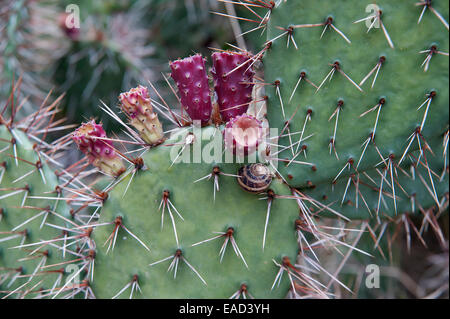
(33, 211)
(336, 66)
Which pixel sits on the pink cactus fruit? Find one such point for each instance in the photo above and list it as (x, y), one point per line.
(243, 134)
(136, 104)
(232, 84)
(100, 152)
(193, 87)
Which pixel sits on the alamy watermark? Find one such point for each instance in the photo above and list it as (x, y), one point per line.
(72, 20)
(372, 19)
(372, 276)
(230, 145)
(73, 272)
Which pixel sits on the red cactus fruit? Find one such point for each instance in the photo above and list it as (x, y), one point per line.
(90, 140)
(243, 134)
(232, 84)
(137, 105)
(193, 87)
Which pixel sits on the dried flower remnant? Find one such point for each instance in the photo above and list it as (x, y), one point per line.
(243, 134)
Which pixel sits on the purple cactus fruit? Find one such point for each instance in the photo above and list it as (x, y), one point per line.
(137, 105)
(233, 84)
(243, 134)
(192, 81)
(100, 152)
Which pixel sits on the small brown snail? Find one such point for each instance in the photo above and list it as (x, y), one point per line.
(254, 178)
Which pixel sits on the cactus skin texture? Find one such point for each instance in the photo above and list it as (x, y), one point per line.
(15, 212)
(401, 82)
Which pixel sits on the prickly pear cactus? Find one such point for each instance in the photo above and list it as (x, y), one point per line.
(367, 96)
(362, 137)
(181, 215)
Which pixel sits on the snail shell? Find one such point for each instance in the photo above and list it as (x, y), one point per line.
(254, 178)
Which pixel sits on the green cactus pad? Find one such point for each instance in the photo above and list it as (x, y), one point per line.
(202, 216)
(401, 81)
